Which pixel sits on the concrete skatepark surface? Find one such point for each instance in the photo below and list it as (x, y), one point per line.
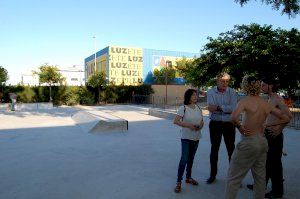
(44, 154)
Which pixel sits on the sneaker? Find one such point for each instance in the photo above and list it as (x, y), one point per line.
(210, 180)
(250, 186)
(177, 187)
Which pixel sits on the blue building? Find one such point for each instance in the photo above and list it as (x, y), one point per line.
(132, 66)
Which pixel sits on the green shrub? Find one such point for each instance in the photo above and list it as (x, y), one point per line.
(108, 95)
(86, 97)
(71, 96)
(27, 95)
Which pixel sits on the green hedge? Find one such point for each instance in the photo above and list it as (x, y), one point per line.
(72, 95)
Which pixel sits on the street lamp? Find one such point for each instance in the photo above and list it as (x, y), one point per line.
(95, 63)
(168, 64)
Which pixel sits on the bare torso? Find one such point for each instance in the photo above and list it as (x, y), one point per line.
(256, 111)
(277, 101)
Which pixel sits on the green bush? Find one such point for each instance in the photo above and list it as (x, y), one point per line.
(108, 95)
(86, 97)
(42, 93)
(27, 95)
(72, 95)
(125, 93)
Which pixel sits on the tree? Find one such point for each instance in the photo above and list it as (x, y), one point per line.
(3, 75)
(97, 80)
(49, 75)
(249, 49)
(190, 71)
(160, 75)
(289, 7)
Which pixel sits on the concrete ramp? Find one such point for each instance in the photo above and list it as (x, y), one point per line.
(99, 122)
(162, 113)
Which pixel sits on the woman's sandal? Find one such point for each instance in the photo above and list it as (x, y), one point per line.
(178, 187)
(191, 181)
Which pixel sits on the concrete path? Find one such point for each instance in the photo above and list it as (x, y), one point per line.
(43, 154)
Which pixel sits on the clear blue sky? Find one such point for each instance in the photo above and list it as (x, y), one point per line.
(60, 32)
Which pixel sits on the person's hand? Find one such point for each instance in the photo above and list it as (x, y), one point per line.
(200, 126)
(192, 127)
(244, 131)
(214, 108)
(274, 134)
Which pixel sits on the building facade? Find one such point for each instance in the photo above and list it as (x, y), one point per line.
(132, 66)
(74, 76)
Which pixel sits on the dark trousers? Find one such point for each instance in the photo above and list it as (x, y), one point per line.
(216, 130)
(188, 151)
(274, 164)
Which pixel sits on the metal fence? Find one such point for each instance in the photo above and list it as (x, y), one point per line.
(295, 122)
(175, 102)
(141, 99)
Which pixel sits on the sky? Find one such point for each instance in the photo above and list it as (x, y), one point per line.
(60, 32)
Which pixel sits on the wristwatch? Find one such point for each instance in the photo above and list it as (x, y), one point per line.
(219, 109)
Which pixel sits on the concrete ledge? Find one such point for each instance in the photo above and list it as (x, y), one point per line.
(27, 106)
(99, 122)
(162, 113)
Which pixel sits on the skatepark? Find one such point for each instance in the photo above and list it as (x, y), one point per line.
(45, 153)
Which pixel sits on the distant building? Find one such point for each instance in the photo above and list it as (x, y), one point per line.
(28, 79)
(132, 66)
(74, 76)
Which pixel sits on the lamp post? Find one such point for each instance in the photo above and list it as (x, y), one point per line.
(168, 63)
(95, 63)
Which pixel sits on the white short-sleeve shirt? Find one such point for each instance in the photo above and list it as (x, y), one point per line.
(193, 116)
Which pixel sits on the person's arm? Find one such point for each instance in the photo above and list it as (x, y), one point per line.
(228, 108)
(235, 118)
(283, 118)
(235, 115)
(178, 119)
(286, 111)
(212, 107)
(284, 108)
(201, 124)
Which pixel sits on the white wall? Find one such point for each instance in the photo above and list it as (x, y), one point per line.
(74, 77)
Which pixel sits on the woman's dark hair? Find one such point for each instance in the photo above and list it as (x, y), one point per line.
(187, 96)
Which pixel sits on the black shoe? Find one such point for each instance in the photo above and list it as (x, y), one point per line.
(250, 186)
(272, 195)
(210, 180)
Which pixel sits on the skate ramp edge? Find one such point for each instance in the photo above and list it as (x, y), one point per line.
(99, 122)
(162, 113)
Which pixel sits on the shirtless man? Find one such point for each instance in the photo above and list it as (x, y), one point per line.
(251, 151)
